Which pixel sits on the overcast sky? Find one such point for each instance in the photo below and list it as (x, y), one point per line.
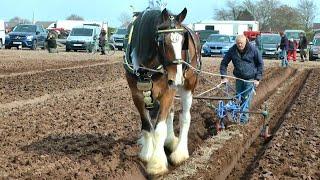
(108, 10)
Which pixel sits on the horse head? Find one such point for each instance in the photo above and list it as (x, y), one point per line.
(170, 39)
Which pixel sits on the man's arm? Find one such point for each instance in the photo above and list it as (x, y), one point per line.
(259, 64)
(224, 63)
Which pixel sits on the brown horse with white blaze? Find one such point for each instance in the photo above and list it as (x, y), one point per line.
(157, 62)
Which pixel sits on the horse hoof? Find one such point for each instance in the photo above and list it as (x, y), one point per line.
(178, 157)
(157, 168)
(172, 144)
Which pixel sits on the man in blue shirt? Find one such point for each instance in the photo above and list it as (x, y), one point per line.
(248, 65)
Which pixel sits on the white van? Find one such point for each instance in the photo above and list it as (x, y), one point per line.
(2, 33)
(85, 37)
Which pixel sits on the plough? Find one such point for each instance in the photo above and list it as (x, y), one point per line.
(231, 108)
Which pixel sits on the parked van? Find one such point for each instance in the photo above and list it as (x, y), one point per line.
(118, 38)
(84, 37)
(2, 33)
(268, 44)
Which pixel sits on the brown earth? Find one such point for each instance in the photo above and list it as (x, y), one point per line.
(70, 116)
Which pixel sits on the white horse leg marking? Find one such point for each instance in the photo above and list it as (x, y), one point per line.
(146, 141)
(181, 152)
(158, 163)
(171, 140)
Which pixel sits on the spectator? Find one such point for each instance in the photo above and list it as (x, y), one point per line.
(292, 49)
(102, 41)
(283, 47)
(52, 42)
(303, 43)
(248, 65)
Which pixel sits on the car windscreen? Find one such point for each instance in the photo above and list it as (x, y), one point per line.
(25, 28)
(270, 39)
(121, 31)
(81, 32)
(294, 35)
(218, 39)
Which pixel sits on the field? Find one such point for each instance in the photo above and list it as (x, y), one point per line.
(70, 116)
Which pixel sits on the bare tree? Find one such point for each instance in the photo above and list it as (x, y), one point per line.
(250, 6)
(307, 9)
(125, 19)
(232, 12)
(19, 20)
(75, 17)
(280, 20)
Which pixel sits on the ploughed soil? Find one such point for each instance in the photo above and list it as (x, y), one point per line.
(70, 116)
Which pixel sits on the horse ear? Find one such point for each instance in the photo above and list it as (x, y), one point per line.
(182, 15)
(165, 14)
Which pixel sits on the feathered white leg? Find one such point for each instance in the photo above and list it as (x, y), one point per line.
(181, 152)
(158, 163)
(146, 141)
(171, 140)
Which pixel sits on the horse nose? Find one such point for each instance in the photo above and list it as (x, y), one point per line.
(170, 82)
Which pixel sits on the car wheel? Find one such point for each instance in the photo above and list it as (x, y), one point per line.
(311, 57)
(7, 47)
(34, 45)
(1, 44)
(67, 50)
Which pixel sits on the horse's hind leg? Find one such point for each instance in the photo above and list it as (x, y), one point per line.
(181, 152)
(171, 140)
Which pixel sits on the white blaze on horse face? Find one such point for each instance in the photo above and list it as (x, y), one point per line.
(176, 40)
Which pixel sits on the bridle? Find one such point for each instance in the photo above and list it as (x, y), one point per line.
(175, 33)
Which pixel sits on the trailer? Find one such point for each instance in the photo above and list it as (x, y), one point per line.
(226, 27)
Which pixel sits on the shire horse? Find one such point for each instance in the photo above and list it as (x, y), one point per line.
(158, 57)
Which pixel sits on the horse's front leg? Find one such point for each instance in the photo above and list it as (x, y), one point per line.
(146, 140)
(181, 152)
(158, 163)
(171, 140)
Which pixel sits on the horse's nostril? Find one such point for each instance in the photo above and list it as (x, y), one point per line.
(170, 82)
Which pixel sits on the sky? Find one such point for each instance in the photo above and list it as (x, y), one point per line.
(109, 10)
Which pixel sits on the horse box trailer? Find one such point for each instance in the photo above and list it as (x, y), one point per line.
(2, 33)
(226, 27)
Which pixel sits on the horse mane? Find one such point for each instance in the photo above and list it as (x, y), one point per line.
(144, 35)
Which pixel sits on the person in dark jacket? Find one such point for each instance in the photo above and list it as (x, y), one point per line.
(248, 65)
(284, 43)
(102, 41)
(52, 42)
(303, 43)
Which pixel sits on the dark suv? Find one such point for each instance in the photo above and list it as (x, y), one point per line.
(26, 35)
